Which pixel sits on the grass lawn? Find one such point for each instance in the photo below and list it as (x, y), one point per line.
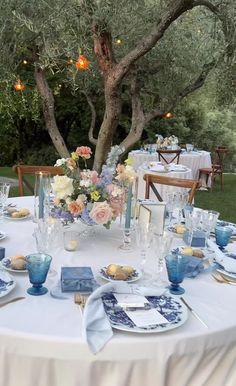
(223, 202)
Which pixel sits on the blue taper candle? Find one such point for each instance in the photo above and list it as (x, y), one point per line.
(128, 207)
(41, 196)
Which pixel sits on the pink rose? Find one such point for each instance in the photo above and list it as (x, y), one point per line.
(84, 152)
(76, 207)
(101, 212)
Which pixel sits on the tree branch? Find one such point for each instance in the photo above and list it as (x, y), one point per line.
(93, 119)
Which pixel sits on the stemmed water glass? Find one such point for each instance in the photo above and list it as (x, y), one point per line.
(161, 245)
(143, 233)
(4, 192)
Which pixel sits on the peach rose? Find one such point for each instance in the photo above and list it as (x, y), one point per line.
(84, 152)
(101, 212)
(76, 207)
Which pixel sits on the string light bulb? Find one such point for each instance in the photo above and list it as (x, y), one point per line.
(82, 63)
(25, 61)
(168, 115)
(19, 86)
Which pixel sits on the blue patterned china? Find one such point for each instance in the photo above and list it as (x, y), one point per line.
(6, 264)
(136, 274)
(172, 309)
(7, 283)
(176, 267)
(38, 265)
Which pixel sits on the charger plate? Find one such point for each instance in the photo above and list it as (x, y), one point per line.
(171, 308)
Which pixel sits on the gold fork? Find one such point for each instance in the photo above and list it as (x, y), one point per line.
(12, 301)
(81, 300)
(221, 279)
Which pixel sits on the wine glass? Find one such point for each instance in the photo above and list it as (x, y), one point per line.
(143, 233)
(162, 244)
(175, 265)
(38, 265)
(4, 192)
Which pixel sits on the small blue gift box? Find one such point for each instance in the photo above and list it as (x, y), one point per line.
(198, 240)
(77, 279)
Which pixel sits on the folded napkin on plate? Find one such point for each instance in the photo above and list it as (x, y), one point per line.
(96, 326)
(193, 267)
(228, 263)
(176, 167)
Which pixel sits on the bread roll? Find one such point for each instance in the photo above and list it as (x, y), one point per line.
(187, 251)
(112, 268)
(128, 269)
(121, 275)
(16, 257)
(18, 264)
(180, 228)
(23, 211)
(16, 214)
(198, 253)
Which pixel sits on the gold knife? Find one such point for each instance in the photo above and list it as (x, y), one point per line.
(193, 312)
(12, 301)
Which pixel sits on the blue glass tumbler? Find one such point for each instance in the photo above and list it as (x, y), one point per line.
(223, 234)
(38, 265)
(176, 265)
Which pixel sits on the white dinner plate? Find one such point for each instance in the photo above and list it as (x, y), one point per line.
(2, 235)
(7, 283)
(171, 308)
(136, 275)
(6, 264)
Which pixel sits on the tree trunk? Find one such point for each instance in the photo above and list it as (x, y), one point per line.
(48, 112)
(109, 124)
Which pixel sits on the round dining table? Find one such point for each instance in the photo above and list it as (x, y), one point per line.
(41, 340)
(193, 160)
(177, 171)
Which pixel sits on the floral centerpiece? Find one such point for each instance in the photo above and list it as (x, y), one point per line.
(167, 142)
(84, 194)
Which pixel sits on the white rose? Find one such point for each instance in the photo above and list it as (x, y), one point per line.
(62, 187)
(60, 162)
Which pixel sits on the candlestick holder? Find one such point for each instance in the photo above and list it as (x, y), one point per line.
(127, 240)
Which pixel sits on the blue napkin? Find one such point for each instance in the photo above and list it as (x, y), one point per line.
(193, 267)
(96, 327)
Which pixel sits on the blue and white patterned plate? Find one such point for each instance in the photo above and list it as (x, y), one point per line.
(6, 264)
(220, 268)
(172, 309)
(136, 275)
(172, 229)
(7, 283)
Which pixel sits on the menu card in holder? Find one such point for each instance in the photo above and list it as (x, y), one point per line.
(152, 212)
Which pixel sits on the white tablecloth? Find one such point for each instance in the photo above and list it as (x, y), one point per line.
(163, 190)
(41, 343)
(193, 160)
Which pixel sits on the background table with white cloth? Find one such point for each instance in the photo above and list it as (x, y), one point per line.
(178, 171)
(194, 160)
(41, 342)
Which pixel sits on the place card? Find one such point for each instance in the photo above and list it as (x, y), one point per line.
(144, 318)
(130, 300)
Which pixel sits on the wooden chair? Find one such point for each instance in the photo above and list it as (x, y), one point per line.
(21, 170)
(163, 155)
(217, 167)
(152, 179)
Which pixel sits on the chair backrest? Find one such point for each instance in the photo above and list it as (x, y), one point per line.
(152, 179)
(221, 152)
(21, 170)
(168, 156)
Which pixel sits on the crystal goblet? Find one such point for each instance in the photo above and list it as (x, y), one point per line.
(4, 192)
(176, 265)
(38, 265)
